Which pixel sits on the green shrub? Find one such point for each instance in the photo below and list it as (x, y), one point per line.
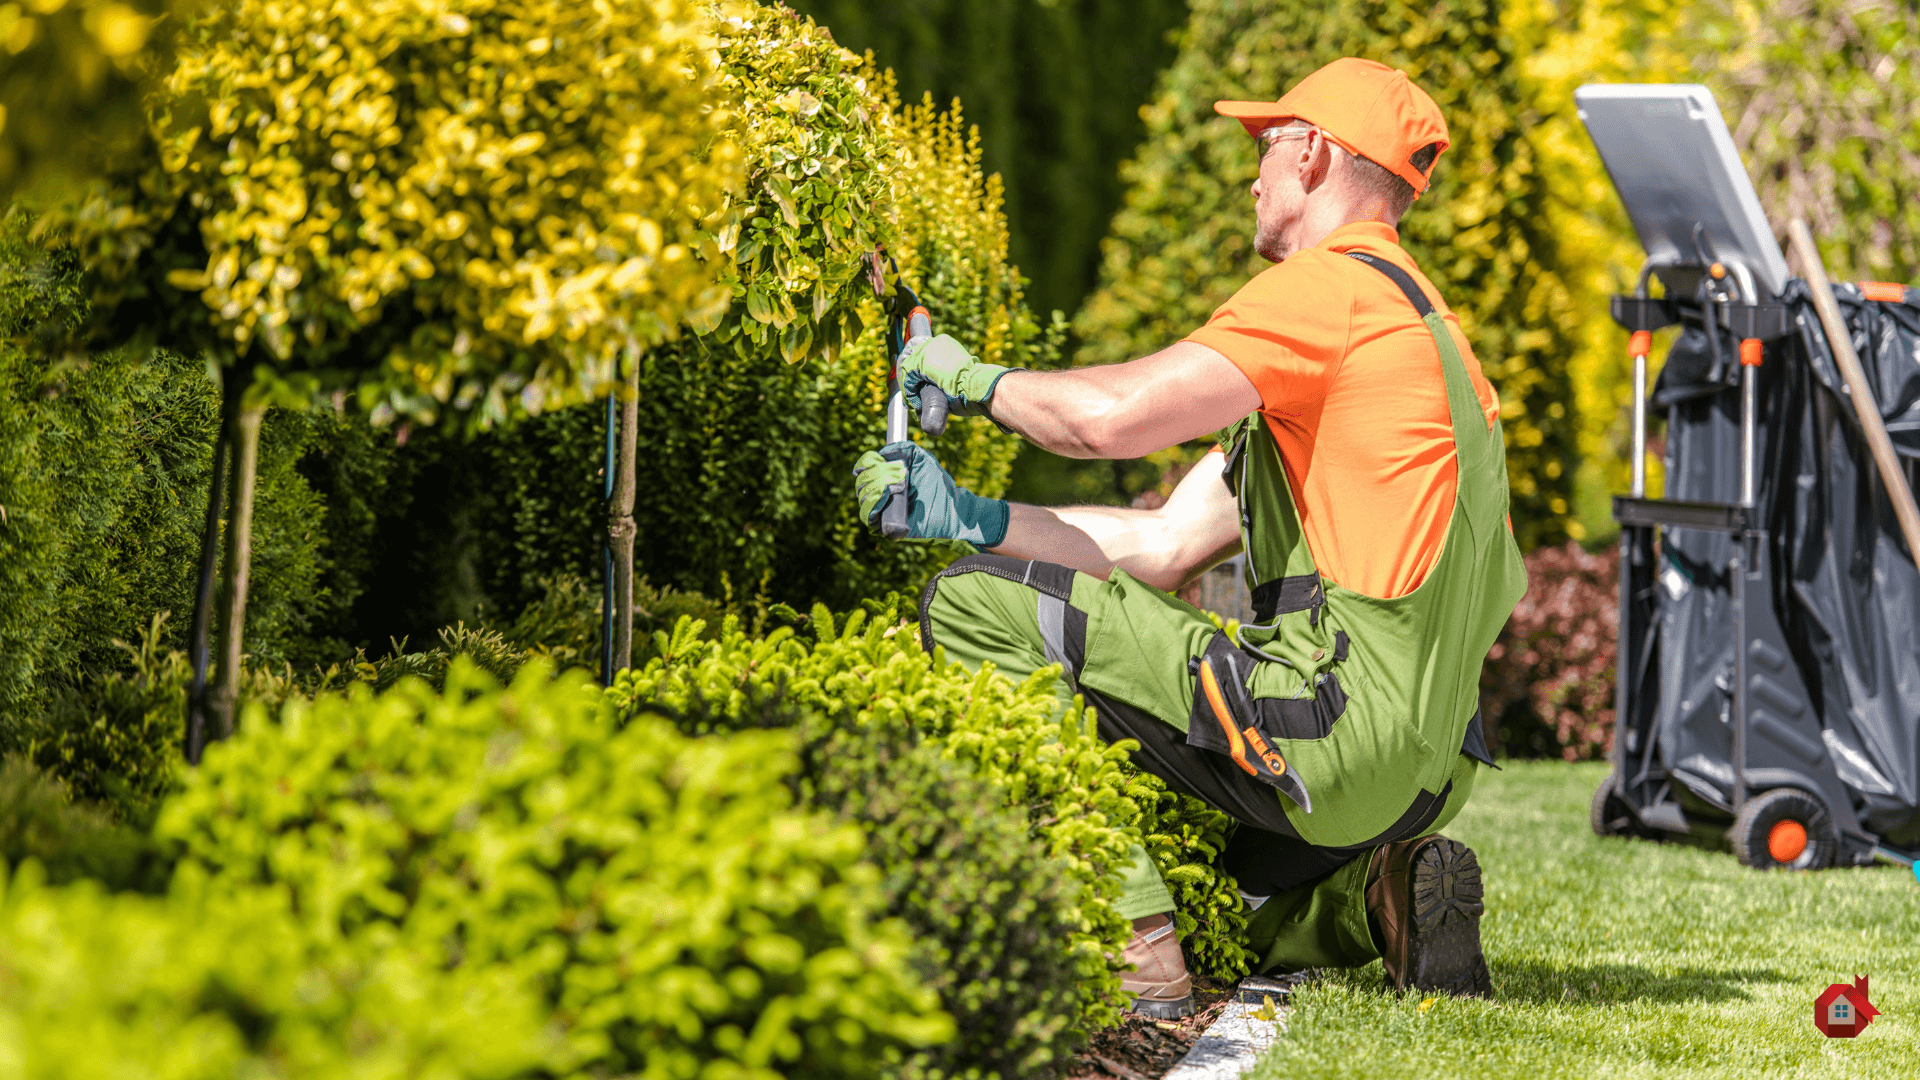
(748, 430)
(104, 462)
(988, 910)
(70, 841)
(115, 737)
(676, 914)
(1082, 800)
(1184, 241)
(210, 985)
(1821, 96)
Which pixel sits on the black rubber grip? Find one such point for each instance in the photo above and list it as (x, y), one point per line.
(893, 516)
(933, 410)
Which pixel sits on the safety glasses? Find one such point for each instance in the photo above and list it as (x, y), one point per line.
(1266, 137)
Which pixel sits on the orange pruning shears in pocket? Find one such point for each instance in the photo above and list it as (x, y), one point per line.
(1248, 748)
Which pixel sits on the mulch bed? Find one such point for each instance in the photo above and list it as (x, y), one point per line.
(1144, 1049)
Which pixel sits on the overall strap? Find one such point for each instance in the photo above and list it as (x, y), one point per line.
(1481, 452)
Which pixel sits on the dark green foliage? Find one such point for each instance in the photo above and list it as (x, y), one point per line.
(989, 912)
(115, 737)
(1184, 242)
(104, 461)
(71, 841)
(1056, 87)
(468, 526)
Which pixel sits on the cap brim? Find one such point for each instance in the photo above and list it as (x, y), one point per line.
(1255, 116)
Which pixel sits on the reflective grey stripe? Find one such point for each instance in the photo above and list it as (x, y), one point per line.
(1053, 633)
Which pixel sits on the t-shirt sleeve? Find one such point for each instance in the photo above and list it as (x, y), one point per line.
(1286, 330)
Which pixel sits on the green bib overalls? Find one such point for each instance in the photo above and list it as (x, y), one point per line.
(1353, 709)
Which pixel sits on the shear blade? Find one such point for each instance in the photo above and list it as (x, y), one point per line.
(1290, 786)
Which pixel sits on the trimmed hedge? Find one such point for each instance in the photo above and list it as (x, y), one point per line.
(985, 905)
(1081, 798)
(671, 907)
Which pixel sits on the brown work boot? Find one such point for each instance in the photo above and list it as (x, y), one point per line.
(1424, 904)
(1157, 972)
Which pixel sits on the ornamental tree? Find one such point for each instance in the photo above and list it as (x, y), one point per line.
(446, 206)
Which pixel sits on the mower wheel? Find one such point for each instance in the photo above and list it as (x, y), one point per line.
(1784, 829)
(1610, 816)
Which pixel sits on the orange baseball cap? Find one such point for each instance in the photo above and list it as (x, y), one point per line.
(1365, 106)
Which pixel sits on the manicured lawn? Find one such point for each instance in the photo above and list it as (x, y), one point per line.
(1627, 958)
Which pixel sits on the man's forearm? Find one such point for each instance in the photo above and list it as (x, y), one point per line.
(1098, 539)
(1126, 410)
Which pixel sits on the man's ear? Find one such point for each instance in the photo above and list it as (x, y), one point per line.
(1316, 162)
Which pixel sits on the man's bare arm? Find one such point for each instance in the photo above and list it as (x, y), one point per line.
(1166, 548)
(1126, 410)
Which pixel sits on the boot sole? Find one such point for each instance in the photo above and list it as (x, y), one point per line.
(1163, 1008)
(1444, 948)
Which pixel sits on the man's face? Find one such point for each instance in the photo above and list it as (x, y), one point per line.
(1280, 192)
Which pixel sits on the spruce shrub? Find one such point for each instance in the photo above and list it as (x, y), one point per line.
(673, 909)
(1082, 801)
(210, 984)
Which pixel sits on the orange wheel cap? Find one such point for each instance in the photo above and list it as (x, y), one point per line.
(1786, 840)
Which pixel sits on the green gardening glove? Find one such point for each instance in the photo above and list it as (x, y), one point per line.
(937, 508)
(946, 364)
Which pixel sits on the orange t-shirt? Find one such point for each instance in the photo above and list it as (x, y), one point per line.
(1350, 381)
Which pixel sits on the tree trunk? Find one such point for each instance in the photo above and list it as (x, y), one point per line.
(197, 644)
(620, 527)
(233, 594)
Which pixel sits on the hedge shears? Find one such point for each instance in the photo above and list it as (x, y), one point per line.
(908, 322)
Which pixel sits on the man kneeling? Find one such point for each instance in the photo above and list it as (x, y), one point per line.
(1363, 473)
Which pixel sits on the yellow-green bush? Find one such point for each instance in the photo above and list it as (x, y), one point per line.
(1081, 798)
(465, 205)
(673, 910)
(749, 429)
(207, 984)
(1822, 97)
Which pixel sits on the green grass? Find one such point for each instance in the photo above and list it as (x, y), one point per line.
(1628, 958)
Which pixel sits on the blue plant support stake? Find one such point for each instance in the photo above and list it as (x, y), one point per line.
(606, 549)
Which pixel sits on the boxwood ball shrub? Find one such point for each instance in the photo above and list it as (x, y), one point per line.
(1081, 799)
(674, 911)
